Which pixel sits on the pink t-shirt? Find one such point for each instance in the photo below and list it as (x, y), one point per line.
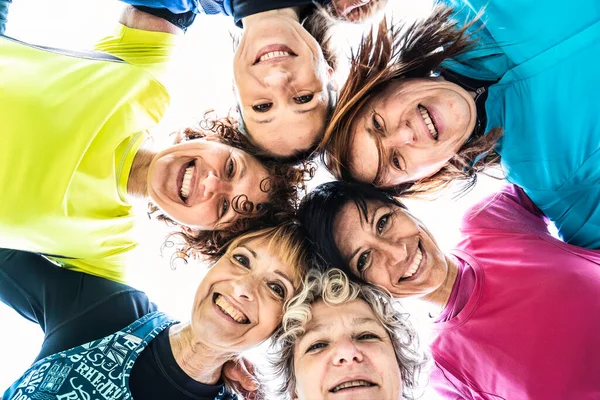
(531, 326)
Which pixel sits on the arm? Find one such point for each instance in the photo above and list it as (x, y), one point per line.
(71, 307)
(144, 19)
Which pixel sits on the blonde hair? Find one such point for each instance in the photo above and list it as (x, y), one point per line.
(287, 241)
(334, 288)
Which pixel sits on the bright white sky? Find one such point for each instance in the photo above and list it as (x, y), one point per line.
(204, 82)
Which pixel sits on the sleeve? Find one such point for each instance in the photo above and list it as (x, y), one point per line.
(71, 307)
(526, 28)
(509, 209)
(151, 51)
(182, 21)
(3, 14)
(183, 6)
(443, 386)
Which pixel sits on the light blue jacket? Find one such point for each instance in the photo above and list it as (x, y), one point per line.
(547, 100)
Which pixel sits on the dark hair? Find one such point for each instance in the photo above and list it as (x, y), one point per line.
(321, 206)
(284, 185)
(416, 51)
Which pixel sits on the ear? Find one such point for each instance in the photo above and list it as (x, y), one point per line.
(190, 231)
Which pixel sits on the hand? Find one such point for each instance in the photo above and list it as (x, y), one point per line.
(346, 8)
(241, 376)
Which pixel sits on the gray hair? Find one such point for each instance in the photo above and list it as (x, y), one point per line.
(334, 288)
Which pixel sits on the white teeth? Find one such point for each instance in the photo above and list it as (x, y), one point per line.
(230, 310)
(185, 184)
(428, 121)
(415, 265)
(273, 54)
(351, 384)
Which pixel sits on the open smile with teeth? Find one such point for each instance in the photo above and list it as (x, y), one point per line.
(230, 309)
(428, 121)
(414, 267)
(351, 384)
(184, 192)
(274, 54)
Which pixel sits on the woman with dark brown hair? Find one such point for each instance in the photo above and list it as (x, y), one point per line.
(283, 65)
(481, 84)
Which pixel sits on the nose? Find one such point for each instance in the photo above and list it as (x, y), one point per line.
(395, 253)
(278, 79)
(402, 135)
(244, 288)
(346, 352)
(214, 185)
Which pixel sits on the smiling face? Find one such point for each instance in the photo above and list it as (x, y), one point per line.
(410, 131)
(240, 300)
(390, 248)
(346, 353)
(281, 82)
(196, 182)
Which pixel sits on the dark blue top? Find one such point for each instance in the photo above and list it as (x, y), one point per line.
(74, 308)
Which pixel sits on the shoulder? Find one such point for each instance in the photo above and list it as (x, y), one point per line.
(509, 209)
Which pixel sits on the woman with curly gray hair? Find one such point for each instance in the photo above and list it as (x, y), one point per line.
(342, 339)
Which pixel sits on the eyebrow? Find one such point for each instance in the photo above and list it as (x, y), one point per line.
(380, 152)
(284, 276)
(361, 224)
(308, 109)
(250, 250)
(243, 169)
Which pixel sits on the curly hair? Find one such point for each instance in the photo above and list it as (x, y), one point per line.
(334, 288)
(386, 55)
(285, 186)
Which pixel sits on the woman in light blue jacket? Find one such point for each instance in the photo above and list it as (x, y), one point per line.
(481, 83)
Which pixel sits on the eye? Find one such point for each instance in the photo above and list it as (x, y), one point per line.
(224, 207)
(303, 99)
(278, 289)
(242, 260)
(362, 261)
(397, 164)
(262, 107)
(229, 168)
(377, 122)
(316, 346)
(382, 222)
(367, 336)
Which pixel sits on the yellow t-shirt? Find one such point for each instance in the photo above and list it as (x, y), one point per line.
(70, 125)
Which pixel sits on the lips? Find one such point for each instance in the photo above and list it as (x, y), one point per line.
(230, 310)
(351, 384)
(273, 53)
(431, 128)
(415, 265)
(185, 180)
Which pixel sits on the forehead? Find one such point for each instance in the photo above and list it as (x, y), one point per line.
(289, 132)
(363, 158)
(268, 258)
(250, 184)
(352, 313)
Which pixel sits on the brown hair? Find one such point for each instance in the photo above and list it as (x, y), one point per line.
(405, 52)
(285, 186)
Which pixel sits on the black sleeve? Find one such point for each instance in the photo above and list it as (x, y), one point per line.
(244, 8)
(182, 21)
(71, 307)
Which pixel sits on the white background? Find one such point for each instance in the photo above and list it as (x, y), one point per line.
(204, 82)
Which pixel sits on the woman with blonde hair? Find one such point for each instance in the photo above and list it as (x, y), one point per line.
(481, 84)
(340, 339)
(105, 337)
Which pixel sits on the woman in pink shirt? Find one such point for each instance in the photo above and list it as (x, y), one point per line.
(518, 309)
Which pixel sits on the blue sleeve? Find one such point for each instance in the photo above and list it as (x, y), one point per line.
(3, 14)
(526, 28)
(182, 6)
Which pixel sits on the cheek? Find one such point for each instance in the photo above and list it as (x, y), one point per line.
(309, 375)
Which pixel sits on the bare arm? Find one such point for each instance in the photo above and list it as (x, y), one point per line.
(131, 17)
